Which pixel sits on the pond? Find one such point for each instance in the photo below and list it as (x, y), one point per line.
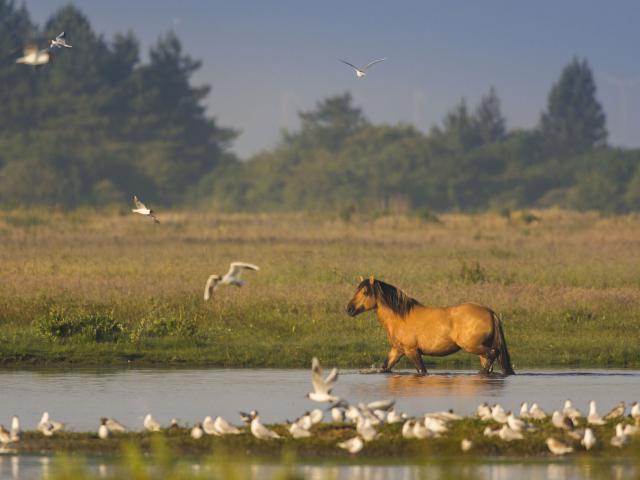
(80, 397)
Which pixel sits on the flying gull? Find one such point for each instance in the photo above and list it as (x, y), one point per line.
(361, 72)
(142, 209)
(232, 277)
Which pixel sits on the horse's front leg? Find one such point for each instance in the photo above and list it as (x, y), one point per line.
(416, 358)
(393, 357)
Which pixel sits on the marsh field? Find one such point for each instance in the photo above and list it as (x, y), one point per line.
(109, 288)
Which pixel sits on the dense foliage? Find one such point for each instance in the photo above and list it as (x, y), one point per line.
(97, 125)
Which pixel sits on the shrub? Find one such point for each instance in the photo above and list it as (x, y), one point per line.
(59, 324)
(165, 327)
(472, 272)
(529, 218)
(428, 216)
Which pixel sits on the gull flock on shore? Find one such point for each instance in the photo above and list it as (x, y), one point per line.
(574, 430)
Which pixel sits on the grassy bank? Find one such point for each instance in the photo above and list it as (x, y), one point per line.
(389, 445)
(91, 288)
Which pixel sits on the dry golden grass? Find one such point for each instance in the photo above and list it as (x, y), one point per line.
(567, 285)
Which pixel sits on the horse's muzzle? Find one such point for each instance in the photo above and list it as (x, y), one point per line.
(351, 310)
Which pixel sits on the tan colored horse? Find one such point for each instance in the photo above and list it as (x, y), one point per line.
(415, 330)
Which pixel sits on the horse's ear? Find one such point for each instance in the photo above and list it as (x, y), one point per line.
(361, 279)
(371, 280)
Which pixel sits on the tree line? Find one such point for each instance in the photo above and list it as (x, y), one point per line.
(98, 124)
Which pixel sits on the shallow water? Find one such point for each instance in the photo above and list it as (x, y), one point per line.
(32, 467)
(80, 397)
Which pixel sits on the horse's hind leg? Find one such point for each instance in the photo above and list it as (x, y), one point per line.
(416, 358)
(486, 363)
(487, 357)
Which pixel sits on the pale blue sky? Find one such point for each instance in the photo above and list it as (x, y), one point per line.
(267, 59)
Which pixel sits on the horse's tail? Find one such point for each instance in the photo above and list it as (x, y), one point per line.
(500, 346)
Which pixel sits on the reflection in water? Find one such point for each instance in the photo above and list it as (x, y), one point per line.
(444, 385)
(32, 468)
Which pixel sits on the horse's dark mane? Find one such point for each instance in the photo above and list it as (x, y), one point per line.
(394, 298)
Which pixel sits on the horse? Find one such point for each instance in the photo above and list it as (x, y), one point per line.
(415, 330)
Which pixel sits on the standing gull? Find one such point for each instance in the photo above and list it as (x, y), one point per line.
(361, 72)
(142, 209)
(589, 439)
(232, 277)
(196, 431)
(594, 418)
(260, 431)
(15, 428)
(103, 430)
(322, 386)
(151, 424)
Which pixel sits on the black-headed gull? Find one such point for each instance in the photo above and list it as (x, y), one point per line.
(507, 434)
(616, 412)
(222, 427)
(353, 445)
(361, 72)
(48, 426)
(594, 418)
(232, 277)
(5, 436)
(103, 430)
(113, 425)
(322, 386)
(298, 431)
(196, 431)
(557, 447)
(15, 428)
(536, 412)
(589, 439)
(620, 439)
(142, 209)
(260, 431)
(60, 41)
(151, 424)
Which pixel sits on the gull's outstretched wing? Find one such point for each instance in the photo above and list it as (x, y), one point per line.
(236, 267)
(61, 36)
(319, 385)
(210, 286)
(350, 64)
(331, 379)
(374, 62)
(138, 203)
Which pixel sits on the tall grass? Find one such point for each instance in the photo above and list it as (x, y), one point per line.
(90, 287)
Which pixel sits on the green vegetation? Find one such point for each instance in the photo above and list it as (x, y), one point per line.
(98, 125)
(323, 443)
(99, 288)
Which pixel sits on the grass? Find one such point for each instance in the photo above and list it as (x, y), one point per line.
(110, 288)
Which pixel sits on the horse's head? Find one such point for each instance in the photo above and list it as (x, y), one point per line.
(364, 299)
